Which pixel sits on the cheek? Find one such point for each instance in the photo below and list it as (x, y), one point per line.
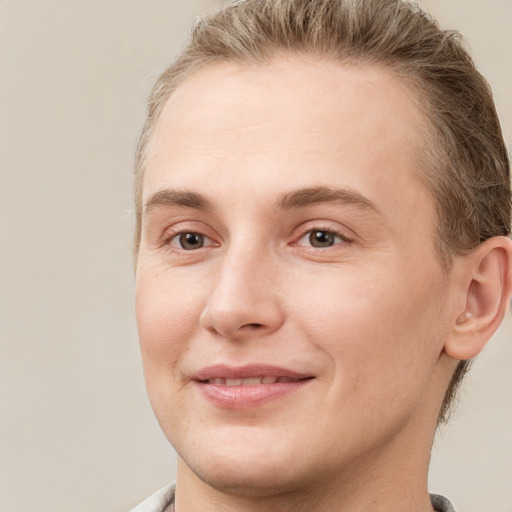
(377, 327)
(167, 311)
(383, 352)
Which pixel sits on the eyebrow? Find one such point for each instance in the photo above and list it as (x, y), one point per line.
(184, 199)
(317, 195)
(290, 200)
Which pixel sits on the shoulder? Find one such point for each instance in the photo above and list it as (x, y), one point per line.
(157, 502)
(441, 504)
(163, 498)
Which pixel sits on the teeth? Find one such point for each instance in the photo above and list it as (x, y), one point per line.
(252, 381)
(234, 382)
(285, 379)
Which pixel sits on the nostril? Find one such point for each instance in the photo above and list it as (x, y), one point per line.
(253, 326)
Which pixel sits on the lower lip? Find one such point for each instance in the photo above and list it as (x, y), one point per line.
(244, 397)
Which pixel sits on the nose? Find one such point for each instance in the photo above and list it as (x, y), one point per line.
(244, 301)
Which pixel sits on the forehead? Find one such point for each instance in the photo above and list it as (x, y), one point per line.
(295, 117)
(296, 85)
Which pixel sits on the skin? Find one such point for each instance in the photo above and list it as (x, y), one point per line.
(368, 317)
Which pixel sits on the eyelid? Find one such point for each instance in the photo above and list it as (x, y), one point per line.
(345, 234)
(341, 239)
(172, 232)
(176, 236)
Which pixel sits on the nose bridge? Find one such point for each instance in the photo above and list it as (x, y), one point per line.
(244, 296)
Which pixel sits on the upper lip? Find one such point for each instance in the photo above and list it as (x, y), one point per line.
(223, 371)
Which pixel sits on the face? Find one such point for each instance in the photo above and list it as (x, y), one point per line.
(289, 298)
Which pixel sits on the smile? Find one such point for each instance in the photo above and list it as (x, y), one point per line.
(229, 387)
(252, 381)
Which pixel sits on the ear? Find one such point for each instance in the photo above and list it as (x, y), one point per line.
(486, 279)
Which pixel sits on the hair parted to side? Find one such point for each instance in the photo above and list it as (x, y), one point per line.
(466, 163)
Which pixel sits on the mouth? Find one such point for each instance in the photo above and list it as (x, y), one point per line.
(252, 381)
(231, 387)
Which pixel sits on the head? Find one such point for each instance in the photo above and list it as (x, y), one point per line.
(322, 183)
(464, 162)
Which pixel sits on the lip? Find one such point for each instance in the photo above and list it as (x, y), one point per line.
(233, 395)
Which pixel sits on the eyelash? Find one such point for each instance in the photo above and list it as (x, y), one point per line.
(342, 238)
(177, 237)
(171, 240)
(175, 242)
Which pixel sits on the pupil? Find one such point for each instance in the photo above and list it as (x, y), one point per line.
(321, 238)
(191, 240)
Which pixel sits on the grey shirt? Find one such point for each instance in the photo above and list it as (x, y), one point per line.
(163, 501)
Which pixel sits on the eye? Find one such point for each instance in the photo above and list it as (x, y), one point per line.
(190, 241)
(321, 238)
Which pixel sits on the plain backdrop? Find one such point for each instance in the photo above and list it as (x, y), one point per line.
(76, 431)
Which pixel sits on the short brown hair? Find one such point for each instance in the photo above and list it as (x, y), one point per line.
(466, 162)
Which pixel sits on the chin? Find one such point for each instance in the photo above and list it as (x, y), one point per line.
(250, 468)
(256, 481)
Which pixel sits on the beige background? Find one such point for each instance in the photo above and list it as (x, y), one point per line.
(76, 432)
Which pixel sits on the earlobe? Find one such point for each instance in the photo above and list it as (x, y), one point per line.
(488, 287)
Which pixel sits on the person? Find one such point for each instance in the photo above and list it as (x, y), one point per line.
(322, 245)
